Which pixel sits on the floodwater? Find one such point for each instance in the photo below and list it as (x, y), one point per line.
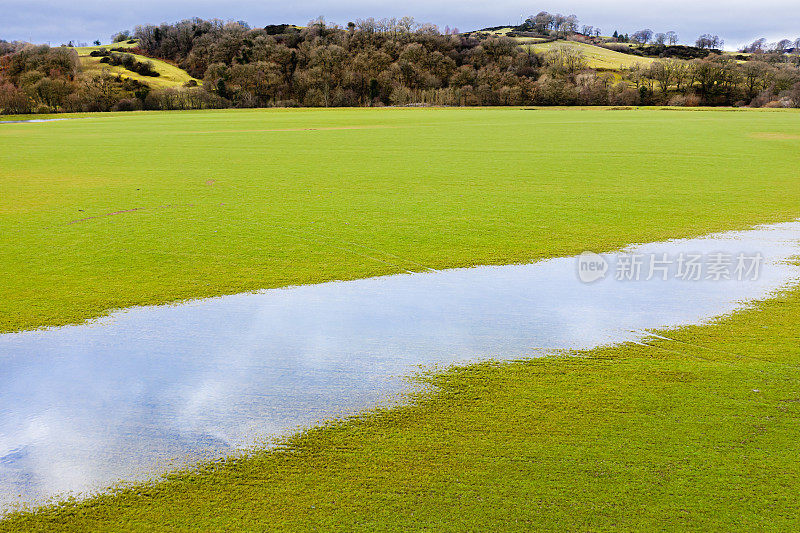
(82, 407)
(36, 120)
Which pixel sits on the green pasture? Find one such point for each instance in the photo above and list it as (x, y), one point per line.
(143, 208)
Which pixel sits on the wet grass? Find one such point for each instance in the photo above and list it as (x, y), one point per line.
(701, 431)
(147, 208)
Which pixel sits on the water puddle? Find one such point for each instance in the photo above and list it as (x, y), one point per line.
(82, 407)
(37, 120)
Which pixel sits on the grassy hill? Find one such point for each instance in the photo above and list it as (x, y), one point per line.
(169, 75)
(597, 57)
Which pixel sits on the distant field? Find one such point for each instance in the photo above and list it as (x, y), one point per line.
(145, 208)
(597, 57)
(86, 50)
(170, 75)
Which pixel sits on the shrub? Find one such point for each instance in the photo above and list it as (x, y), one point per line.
(622, 95)
(677, 101)
(692, 100)
(127, 61)
(127, 104)
(13, 101)
(183, 98)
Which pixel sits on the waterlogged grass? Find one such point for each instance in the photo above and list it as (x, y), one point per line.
(144, 208)
(701, 431)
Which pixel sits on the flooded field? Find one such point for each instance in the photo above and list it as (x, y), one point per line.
(123, 397)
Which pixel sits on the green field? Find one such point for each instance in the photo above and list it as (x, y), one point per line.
(701, 431)
(145, 208)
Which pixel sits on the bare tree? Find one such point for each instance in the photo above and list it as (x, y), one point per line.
(709, 41)
(565, 60)
(660, 38)
(407, 24)
(755, 77)
(643, 36)
(542, 22)
(756, 46)
(681, 75)
(571, 24)
(663, 71)
(672, 38)
(559, 21)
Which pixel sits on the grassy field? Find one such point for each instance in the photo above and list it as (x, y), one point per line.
(701, 431)
(169, 75)
(145, 208)
(597, 57)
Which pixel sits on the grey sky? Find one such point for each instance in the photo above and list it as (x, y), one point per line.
(736, 21)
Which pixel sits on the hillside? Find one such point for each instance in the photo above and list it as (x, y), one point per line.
(597, 57)
(169, 75)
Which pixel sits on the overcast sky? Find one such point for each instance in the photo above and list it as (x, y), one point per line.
(736, 21)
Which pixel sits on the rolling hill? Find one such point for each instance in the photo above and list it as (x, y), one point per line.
(169, 75)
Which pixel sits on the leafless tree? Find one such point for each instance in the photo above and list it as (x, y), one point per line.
(542, 22)
(565, 60)
(664, 72)
(672, 38)
(755, 77)
(709, 41)
(642, 36)
(756, 46)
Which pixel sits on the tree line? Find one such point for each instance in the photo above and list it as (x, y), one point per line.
(382, 62)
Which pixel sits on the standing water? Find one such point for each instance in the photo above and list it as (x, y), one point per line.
(82, 407)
